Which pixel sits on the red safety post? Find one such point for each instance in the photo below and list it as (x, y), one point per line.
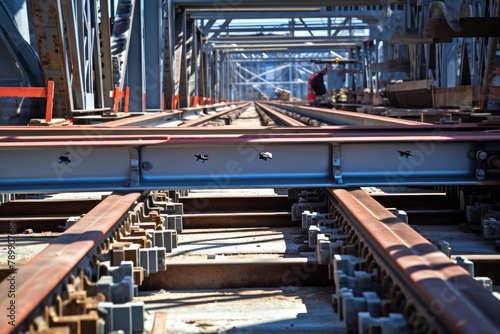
(117, 95)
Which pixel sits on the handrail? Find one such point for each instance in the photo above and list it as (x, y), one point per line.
(36, 92)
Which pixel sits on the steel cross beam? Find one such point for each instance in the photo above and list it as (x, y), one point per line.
(96, 163)
(223, 4)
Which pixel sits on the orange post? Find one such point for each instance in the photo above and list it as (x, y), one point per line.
(127, 97)
(175, 101)
(115, 94)
(50, 101)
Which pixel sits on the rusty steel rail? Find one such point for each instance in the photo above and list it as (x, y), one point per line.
(277, 116)
(39, 280)
(343, 117)
(206, 118)
(434, 294)
(139, 131)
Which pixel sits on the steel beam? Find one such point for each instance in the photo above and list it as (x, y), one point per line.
(340, 117)
(143, 127)
(278, 40)
(223, 4)
(288, 12)
(94, 162)
(135, 77)
(289, 45)
(53, 52)
(153, 37)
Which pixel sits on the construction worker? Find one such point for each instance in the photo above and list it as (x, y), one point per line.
(316, 90)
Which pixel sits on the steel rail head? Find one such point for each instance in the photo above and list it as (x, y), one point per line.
(103, 130)
(434, 288)
(346, 117)
(39, 279)
(206, 118)
(286, 120)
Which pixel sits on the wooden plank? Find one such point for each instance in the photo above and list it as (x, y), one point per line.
(397, 65)
(160, 323)
(461, 96)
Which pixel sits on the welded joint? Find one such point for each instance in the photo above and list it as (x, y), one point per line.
(337, 169)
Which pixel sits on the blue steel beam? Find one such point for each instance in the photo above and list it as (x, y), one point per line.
(361, 12)
(232, 5)
(98, 163)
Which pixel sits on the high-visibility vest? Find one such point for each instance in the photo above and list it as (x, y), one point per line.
(311, 95)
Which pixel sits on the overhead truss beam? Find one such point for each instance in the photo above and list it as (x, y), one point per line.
(283, 13)
(223, 4)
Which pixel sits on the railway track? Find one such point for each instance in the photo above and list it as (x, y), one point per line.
(122, 262)
(381, 272)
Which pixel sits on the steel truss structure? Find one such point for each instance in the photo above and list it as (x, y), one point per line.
(169, 51)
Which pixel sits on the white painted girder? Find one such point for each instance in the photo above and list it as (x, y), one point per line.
(246, 161)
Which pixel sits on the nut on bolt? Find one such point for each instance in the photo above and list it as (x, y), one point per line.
(147, 165)
(481, 155)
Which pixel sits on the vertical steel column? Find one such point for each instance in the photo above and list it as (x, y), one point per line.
(449, 65)
(489, 62)
(102, 54)
(202, 75)
(224, 93)
(215, 75)
(196, 63)
(49, 30)
(73, 24)
(153, 35)
(136, 71)
(120, 40)
(180, 59)
(168, 55)
(190, 38)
